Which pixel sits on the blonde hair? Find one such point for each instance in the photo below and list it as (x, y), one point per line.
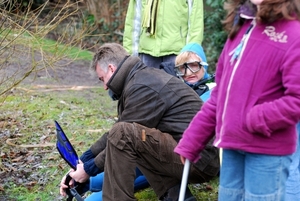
(184, 56)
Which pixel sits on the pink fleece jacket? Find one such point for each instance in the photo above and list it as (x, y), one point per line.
(256, 103)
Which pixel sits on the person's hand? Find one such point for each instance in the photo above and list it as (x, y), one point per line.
(182, 159)
(79, 175)
(63, 186)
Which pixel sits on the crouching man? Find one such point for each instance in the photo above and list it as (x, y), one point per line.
(154, 108)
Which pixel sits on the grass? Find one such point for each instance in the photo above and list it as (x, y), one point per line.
(56, 48)
(30, 117)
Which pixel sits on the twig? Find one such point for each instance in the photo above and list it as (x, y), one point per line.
(9, 142)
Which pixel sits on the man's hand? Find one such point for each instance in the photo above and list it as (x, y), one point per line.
(63, 186)
(79, 175)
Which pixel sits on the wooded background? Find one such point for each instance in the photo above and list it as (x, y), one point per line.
(105, 21)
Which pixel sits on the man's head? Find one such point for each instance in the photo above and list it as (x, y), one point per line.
(191, 64)
(106, 61)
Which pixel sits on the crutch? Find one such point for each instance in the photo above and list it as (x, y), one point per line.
(184, 180)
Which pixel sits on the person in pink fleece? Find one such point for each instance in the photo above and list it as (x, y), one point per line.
(254, 108)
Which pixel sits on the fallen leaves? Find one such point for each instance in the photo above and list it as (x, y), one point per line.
(20, 163)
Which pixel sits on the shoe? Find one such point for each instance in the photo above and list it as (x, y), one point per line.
(173, 194)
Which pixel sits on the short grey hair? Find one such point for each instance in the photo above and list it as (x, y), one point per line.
(108, 53)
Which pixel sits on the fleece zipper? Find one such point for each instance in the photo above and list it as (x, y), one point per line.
(239, 50)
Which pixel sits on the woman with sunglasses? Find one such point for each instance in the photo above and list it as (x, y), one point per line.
(191, 67)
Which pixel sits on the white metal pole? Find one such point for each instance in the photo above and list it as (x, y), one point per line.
(184, 180)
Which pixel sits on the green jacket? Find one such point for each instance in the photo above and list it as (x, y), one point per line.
(174, 26)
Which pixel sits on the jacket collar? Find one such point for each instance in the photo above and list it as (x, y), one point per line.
(248, 10)
(121, 76)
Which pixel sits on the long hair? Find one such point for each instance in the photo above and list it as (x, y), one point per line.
(269, 11)
(273, 10)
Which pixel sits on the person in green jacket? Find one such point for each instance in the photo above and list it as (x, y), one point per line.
(156, 30)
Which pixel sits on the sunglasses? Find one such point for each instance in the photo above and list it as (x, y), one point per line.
(194, 67)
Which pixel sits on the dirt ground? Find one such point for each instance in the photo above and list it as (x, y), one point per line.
(46, 69)
(70, 73)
